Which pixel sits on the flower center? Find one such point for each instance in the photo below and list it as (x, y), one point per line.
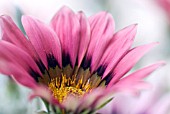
(63, 86)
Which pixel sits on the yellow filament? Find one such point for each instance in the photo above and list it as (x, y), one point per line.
(63, 86)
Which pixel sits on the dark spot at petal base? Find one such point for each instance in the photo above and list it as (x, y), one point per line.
(41, 66)
(101, 69)
(65, 59)
(107, 79)
(52, 62)
(86, 62)
(34, 74)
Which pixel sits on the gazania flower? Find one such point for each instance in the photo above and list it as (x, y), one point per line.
(75, 63)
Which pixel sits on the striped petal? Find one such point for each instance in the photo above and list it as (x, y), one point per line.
(128, 61)
(17, 72)
(88, 103)
(66, 24)
(102, 30)
(133, 82)
(12, 34)
(84, 36)
(142, 73)
(21, 58)
(94, 99)
(119, 45)
(43, 92)
(44, 40)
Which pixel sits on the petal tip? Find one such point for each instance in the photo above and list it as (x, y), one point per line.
(65, 9)
(25, 17)
(4, 19)
(161, 63)
(4, 16)
(153, 44)
(133, 26)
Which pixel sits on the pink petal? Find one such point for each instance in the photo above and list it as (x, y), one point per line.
(43, 38)
(74, 103)
(10, 52)
(11, 33)
(89, 100)
(128, 61)
(43, 92)
(133, 87)
(120, 44)
(133, 82)
(100, 99)
(102, 30)
(19, 74)
(84, 36)
(142, 73)
(66, 24)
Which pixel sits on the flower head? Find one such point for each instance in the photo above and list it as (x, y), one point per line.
(75, 58)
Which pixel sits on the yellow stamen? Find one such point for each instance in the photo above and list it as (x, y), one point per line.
(63, 86)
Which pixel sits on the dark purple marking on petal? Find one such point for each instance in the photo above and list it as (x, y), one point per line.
(65, 59)
(101, 69)
(41, 66)
(76, 64)
(34, 74)
(52, 62)
(86, 62)
(108, 78)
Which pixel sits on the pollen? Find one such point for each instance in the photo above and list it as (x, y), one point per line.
(63, 86)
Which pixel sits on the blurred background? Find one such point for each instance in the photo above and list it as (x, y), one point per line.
(152, 17)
